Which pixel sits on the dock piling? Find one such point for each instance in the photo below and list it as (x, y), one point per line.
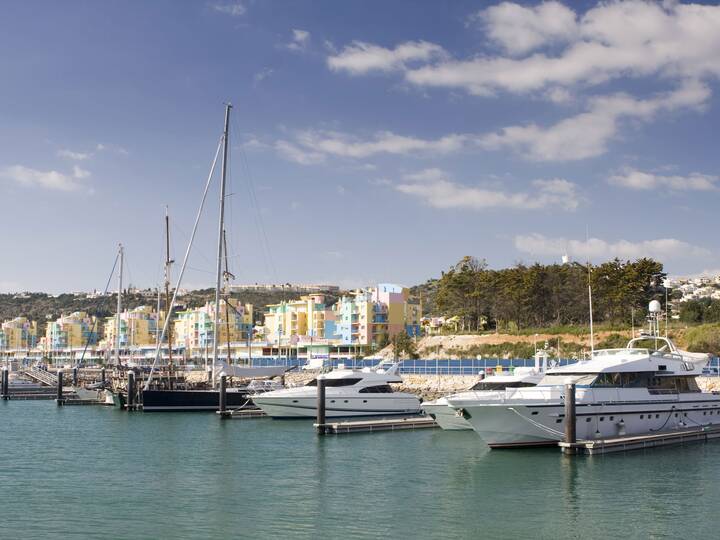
(75, 376)
(570, 425)
(223, 393)
(131, 391)
(59, 398)
(321, 406)
(5, 384)
(102, 377)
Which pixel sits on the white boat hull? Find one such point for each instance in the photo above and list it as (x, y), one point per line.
(509, 425)
(338, 407)
(445, 416)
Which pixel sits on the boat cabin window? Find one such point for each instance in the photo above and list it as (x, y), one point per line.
(379, 389)
(654, 384)
(335, 382)
(559, 379)
(622, 380)
(500, 385)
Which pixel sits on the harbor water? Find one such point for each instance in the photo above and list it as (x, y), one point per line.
(93, 472)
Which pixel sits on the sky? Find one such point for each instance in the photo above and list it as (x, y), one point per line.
(371, 141)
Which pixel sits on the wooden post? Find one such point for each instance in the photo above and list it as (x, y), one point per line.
(570, 426)
(75, 376)
(102, 377)
(320, 406)
(131, 391)
(59, 397)
(5, 384)
(223, 393)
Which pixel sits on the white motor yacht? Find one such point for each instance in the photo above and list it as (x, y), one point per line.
(488, 388)
(348, 392)
(647, 387)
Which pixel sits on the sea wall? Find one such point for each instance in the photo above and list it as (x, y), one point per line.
(426, 386)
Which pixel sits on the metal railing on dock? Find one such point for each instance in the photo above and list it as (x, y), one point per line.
(386, 424)
(640, 442)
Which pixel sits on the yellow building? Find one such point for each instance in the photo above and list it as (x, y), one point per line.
(305, 317)
(194, 328)
(74, 330)
(17, 334)
(138, 327)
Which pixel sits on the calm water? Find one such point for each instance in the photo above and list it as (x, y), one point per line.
(91, 472)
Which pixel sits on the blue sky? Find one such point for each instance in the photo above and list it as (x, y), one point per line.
(383, 140)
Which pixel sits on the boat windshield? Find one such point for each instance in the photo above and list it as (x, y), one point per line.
(482, 385)
(336, 382)
(556, 379)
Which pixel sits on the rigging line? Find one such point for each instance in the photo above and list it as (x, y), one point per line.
(198, 251)
(200, 270)
(185, 259)
(257, 214)
(259, 219)
(97, 310)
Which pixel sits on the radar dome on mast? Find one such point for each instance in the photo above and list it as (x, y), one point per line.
(654, 307)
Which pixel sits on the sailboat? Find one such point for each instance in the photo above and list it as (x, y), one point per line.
(115, 397)
(173, 399)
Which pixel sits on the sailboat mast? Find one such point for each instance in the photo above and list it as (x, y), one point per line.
(119, 309)
(221, 228)
(168, 306)
(227, 295)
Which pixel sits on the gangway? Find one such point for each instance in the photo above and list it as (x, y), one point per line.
(42, 376)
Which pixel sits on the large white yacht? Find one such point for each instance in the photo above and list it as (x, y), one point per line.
(491, 387)
(647, 387)
(348, 392)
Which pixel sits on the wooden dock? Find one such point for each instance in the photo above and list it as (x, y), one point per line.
(640, 442)
(368, 426)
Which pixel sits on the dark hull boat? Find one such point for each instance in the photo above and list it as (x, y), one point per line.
(192, 400)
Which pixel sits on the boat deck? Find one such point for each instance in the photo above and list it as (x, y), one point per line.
(639, 442)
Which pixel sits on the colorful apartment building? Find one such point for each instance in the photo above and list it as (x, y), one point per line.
(369, 316)
(375, 315)
(74, 330)
(194, 328)
(138, 327)
(307, 317)
(18, 334)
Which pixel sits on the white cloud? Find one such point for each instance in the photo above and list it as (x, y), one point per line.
(77, 156)
(263, 74)
(300, 40)
(360, 57)
(383, 142)
(639, 180)
(52, 180)
(588, 134)
(630, 38)
(434, 188)
(234, 9)
(595, 248)
(100, 147)
(520, 29)
(80, 173)
(299, 155)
